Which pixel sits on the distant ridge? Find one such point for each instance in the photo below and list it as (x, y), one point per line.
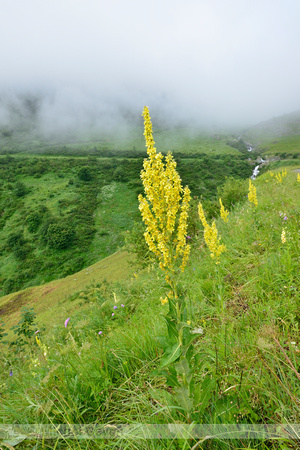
(288, 124)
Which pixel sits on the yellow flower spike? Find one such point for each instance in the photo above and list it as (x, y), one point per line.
(283, 236)
(211, 236)
(252, 194)
(223, 212)
(298, 177)
(164, 200)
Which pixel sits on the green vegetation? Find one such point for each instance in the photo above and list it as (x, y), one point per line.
(285, 147)
(60, 214)
(94, 347)
(247, 350)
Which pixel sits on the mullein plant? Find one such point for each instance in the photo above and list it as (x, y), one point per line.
(223, 212)
(164, 209)
(212, 240)
(279, 176)
(211, 236)
(252, 197)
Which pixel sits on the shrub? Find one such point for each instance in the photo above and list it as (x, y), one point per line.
(233, 191)
(85, 174)
(15, 239)
(20, 189)
(60, 236)
(33, 221)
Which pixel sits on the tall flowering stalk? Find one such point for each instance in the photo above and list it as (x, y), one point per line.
(223, 212)
(279, 176)
(211, 236)
(164, 209)
(165, 206)
(252, 194)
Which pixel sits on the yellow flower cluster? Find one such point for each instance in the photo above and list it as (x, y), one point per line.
(223, 212)
(164, 199)
(211, 236)
(279, 176)
(283, 236)
(252, 194)
(298, 177)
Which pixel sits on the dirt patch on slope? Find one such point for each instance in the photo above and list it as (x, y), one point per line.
(14, 304)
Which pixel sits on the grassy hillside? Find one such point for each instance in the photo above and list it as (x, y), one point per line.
(60, 214)
(102, 366)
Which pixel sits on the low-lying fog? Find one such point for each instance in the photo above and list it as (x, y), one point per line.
(92, 65)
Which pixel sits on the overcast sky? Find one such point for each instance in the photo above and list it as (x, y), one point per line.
(230, 61)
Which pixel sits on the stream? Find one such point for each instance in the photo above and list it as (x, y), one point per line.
(256, 169)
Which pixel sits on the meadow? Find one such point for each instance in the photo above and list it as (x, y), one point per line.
(101, 348)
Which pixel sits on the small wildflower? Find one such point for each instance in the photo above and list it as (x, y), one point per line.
(115, 307)
(113, 314)
(122, 306)
(198, 330)
(37, 331)
(66, 322)
(188, 322)
(285, 218)
(164, 300)
(100, 332)
(10, 373)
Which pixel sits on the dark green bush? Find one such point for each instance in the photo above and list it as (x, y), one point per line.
(60, 236)
(15, 239)
(20, 189)
(85, 174)
(33, 221)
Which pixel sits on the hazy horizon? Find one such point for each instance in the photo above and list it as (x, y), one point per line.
(94, 65)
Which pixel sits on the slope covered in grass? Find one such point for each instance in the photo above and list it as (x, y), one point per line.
(100, 366)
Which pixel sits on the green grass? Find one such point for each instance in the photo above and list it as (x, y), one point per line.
(248, 354)
(282, 145)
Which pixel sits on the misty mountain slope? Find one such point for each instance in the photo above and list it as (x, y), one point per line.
(288, 124)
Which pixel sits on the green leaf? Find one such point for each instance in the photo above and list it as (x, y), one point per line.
(171, 354)
(182, 366)
(172, 329)
(165, 341)
(203, 392)
(183, 399)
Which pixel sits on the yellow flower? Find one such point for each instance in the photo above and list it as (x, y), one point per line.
(298, 177)
(188, 322)
(252, 194)
(211, 236)
(164, 300)
(164, 207)
(283, 236)
(224, 213)
(279, 176)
